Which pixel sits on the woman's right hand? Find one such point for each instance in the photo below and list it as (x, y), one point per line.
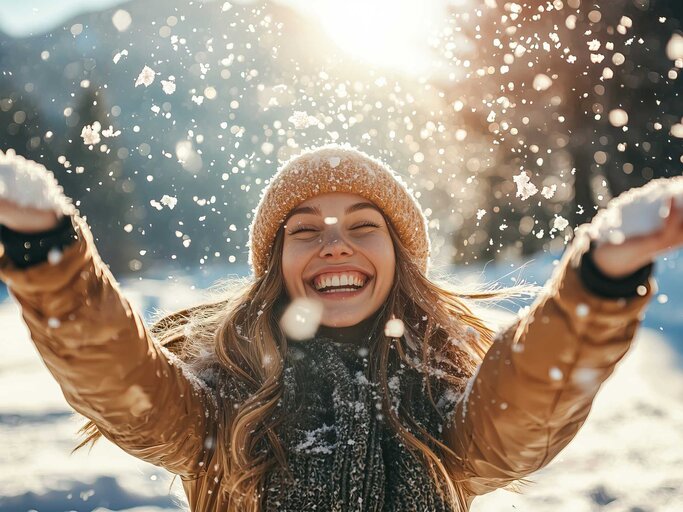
(25, 219)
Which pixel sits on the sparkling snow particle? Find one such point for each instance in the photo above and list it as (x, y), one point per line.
(117, 57)
(169, 201)
(301, 319)
(662, 298)
(480, 214)
(226, 7)
(394, 328)
(618, 117)
(54, 256)
(594, 45)
(677, 130)
(168, 86)
(582, 310)
(334, 161)
(525, 189)
(301, 120)
(109, 132)
(146, 77)
(674, 48)
(91, 133)
(53, 322)
(560, 223)
(542, 82)
(549, 192)
(555, 373)
(330, 220)
(121, 20)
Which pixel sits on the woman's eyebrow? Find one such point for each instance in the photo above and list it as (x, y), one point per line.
(314, 210)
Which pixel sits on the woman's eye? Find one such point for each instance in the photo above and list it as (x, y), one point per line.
(365, 224)
(299, 230)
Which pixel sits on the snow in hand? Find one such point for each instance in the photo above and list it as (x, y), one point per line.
(639, 211)
(146, 77)
(302, 318)
(30, 184)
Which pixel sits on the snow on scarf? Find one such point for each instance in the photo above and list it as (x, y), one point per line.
(342, 454)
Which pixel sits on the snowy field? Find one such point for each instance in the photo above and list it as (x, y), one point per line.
(627, 458)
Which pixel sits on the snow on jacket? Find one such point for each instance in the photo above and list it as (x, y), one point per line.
(526, 402)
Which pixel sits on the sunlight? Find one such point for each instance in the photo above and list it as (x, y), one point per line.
(391, 33)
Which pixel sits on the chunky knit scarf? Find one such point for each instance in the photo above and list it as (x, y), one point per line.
(342, 454)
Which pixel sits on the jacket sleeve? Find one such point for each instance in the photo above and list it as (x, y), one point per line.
(104, 359)
(535, 387)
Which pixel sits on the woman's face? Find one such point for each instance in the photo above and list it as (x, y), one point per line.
(337, 249)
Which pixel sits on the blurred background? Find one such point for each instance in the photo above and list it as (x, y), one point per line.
(163, 120)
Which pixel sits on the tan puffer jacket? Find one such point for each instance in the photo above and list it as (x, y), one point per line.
(529, 398)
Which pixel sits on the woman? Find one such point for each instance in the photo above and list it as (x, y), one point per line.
(360, 415)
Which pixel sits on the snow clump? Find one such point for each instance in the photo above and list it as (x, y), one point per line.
(146, 77)
(639, 211)
(525, 189)
(91, 133)
(30, 184)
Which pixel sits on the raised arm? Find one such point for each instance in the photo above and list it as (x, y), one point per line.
(101, 354)
(538, 380)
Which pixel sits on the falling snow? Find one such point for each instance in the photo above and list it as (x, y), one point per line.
(146, 77)
(525, 189)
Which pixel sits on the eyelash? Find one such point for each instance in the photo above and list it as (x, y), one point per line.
(305, 228)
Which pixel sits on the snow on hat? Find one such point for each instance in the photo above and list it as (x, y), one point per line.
(336, 168)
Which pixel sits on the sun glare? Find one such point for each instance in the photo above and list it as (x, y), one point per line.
(391, 33)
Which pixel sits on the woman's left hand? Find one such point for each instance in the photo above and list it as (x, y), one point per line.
(620, 260)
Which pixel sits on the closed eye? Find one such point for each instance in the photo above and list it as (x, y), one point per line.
(363, 224)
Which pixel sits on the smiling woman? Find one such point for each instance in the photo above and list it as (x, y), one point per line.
(337, 249)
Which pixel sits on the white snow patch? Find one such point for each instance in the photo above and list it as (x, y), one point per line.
(30, 184)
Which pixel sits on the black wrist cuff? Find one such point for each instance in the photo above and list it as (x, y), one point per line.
(26, 249)
(608, 287)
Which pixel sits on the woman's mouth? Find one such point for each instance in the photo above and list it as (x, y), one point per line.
(341, 291)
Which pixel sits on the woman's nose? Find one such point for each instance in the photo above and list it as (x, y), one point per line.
(335, 244)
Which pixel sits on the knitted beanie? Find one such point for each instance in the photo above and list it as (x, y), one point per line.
(336, 168)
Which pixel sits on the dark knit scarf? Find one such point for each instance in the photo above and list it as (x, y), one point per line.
(341, 452)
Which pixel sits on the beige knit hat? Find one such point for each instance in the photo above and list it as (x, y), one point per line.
(336, 168)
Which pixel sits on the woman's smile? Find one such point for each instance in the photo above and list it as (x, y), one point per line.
(338, 250)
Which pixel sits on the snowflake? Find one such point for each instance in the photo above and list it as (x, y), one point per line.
(91, 133)
(525, 189)
(146, 77)
(559, 223)
(168, 85)
(549, 192)
(301, 120)
(594, 45)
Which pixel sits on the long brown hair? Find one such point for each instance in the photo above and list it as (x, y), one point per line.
(239, 335)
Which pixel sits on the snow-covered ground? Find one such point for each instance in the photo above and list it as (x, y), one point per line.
(627, 458)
